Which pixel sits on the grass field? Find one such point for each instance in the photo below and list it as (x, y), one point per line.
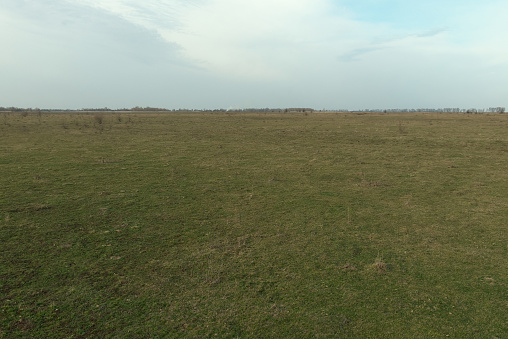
(253, 225)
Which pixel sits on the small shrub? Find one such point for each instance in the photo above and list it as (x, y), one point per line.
(98, 118)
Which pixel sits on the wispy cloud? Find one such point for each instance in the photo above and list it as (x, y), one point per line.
(407, 41)
(262, 39)
(354, 54)
(431, 33)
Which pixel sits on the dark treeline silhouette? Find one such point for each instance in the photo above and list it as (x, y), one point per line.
(264, 110)
(437, 110)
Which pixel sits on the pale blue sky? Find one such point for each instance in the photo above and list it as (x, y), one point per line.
(352, 54)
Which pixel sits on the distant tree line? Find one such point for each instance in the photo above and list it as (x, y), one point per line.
(264, 110)
(431, 110)
(17, 109)
(156, 109)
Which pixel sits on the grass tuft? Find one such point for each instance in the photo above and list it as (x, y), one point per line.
(379, 265)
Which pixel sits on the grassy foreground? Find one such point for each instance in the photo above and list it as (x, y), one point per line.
(253, 225)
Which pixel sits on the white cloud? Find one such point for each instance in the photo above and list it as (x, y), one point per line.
(265, 39)
(317, 53)
(269, 40)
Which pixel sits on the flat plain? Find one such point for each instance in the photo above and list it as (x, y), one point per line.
(253, 225)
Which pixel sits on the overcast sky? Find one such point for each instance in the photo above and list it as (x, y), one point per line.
(331, 54)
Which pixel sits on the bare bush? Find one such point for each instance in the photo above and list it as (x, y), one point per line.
(98, 118)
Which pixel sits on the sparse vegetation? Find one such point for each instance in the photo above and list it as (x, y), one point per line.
(253, 225)
(98, 118)
(379, 266)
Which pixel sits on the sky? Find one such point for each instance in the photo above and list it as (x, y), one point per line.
(209, 54)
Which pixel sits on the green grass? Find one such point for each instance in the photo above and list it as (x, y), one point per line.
(253, 225)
